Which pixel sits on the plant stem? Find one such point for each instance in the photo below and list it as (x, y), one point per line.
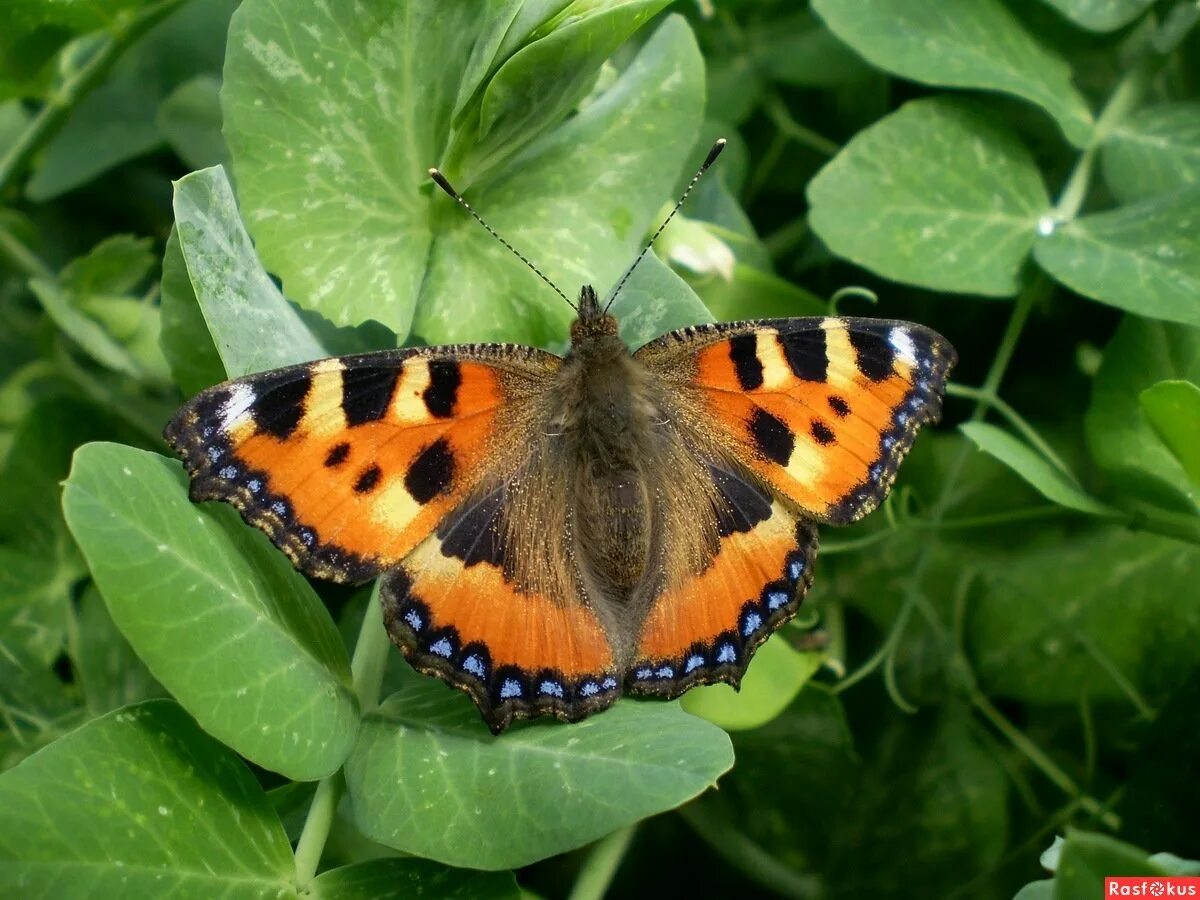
(21, 257)
(366, 667)
(1014, 418)
(601, 865)
(316, 828)
(782, 118)
(59, 105)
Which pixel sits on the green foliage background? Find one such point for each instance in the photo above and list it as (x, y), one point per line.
(995, 689)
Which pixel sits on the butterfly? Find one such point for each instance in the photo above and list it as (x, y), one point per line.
(555, 532)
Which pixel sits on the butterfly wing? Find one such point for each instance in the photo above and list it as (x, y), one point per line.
(464, 607)
(705, 626)
(821, 409)
(349, 463)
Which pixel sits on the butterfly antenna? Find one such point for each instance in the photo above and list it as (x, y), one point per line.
(708, 161)
(440, 180)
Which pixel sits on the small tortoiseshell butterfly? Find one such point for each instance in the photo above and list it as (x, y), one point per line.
(554, 532)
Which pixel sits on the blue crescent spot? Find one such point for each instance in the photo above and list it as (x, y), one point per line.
(255, 485)
(229, 472)
(441, 647)
(643, 674)
(414, 620)
(726, 654)
(215, 453)
(901, 417)
(589, 689)
(795, 569)
(474, 665)
(751, 624)
(308, 537)
(608, 683)
(888, 442)
(510, 688)
(694, 662)
(551, 688)
(207, 431)
(776, 599)
(665, 672)
(279, 508)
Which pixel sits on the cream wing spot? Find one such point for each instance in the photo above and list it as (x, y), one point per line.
(777, 374)
(842, 374)
(393, 506)
(902, 343)
(408, 403)
(323, 412)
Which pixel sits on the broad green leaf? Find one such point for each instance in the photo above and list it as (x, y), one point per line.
(545, 79)
(1087, 858)
(190, 122)
(655, 300)
(253, 326)
(1144, 258)
(139, 803)
(607, 171)
(109, 672)
(800, 50)
(1101, 15)
(311, 153)
(937, 194)
(186, 343)
(380, 879)
(1098, 612)
(1120, 438)
(771, 683)
(427, 777)
(1036, 890)
(962, 43)
(1051, 482)
(116, 122)
(218, 615)
(1173, 410)
(754, 294)
(1154, 151)
(332, 122)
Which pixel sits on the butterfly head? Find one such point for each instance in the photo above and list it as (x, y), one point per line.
(593, 322)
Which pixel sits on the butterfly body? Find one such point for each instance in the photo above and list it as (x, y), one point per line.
(556, 532)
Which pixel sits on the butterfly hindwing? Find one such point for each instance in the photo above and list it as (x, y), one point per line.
(348, 463)
(705, 627)
(459, 609)
(821, 409)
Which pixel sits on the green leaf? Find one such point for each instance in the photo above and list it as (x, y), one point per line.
(799, 50)
(139, 803)
(427, 778)
(1101, 15)
(1120, 438)
(545, 79)
(311, 153)
(188, 347)
(116, 122)
(770, 685)
(1173, 410)
(85, 331)
(1087, 858)
(190, 121)
(754, 294)
(1154, 151)
(216, 613)
(965, 44)
(936, 194)
(116, 265)
(34, 606)
(380, 879)
(109, 672)
(1099, 613)
(1051, 482)
(253, 326)
(655, 300)
(1144, 258)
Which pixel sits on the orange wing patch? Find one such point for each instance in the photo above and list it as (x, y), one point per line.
(455, 612)
(347, 464)
(823, 410)
(707, 628)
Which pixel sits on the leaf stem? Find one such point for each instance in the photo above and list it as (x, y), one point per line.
(316, 828)
(21, 257)
(366, 668)
(601, 865)
(58, 106)
(1014, 418)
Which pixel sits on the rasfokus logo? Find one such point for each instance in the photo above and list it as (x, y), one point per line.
(1152, 886)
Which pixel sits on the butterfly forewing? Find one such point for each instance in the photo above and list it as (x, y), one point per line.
(349, 463)
(823, 409)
